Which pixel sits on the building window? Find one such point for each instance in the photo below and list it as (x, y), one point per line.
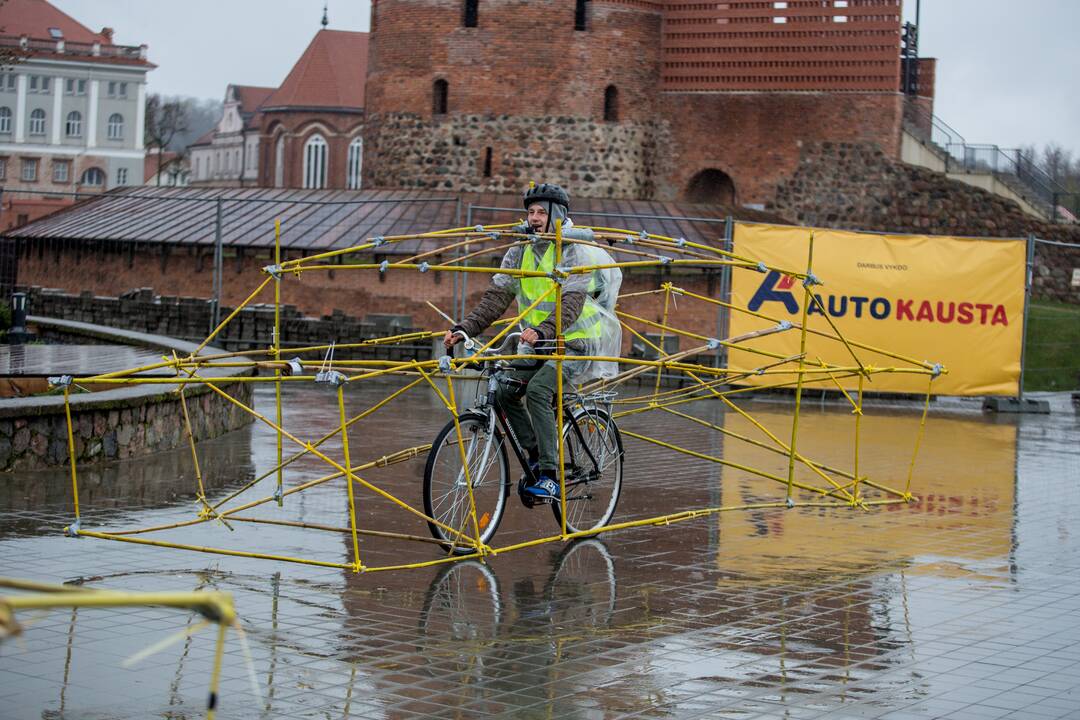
(315, 162)
(37, 122)
(354, 163)
(117, 89)
(29, 169)
(472, 13)
(5, 120)
(73, 128)
(611, 104)
(74, 86)
(93, 176)
(487, 162)
(116, 126)
(61, 171)
(580, 17)
(279, 162)
(3, 168)
(121, 176)
(9, 81)
(440, 94)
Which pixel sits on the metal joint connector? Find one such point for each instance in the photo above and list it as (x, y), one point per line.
(712, 343)
(644, 235)
(73, 529)
(331, 377)
(296, 367)
(479, 228)
(664, 259)
(761, 268)
(936, 369)
(378, 241)
(273, 271)
(681, 242)
(790, 503)
(383, 265)
(494, 235)
(278, 495)
(445, 365)
(61, 380)
(811, 279)
(424, 267)
(630, 239)
(784, 325)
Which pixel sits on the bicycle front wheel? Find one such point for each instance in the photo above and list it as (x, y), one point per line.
(593, 453)
(446, 492)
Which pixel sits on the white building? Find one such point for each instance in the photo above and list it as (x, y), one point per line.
(72, 112)
(228, 155)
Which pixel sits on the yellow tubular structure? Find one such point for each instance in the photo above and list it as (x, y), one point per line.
(277, 356)
(802, 362)
(348, 477)
(643, 311)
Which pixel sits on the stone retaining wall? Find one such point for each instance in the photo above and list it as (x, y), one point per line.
(858, 187)
(119, 424)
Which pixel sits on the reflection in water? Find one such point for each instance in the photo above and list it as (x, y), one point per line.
(780, 612)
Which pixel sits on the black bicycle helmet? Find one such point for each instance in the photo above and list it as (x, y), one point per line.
(546, 191)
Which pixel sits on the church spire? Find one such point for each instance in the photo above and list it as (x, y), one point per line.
(325, 17)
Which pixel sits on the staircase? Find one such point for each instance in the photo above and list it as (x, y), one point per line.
(980, 165)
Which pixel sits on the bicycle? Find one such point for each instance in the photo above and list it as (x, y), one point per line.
(593, 461)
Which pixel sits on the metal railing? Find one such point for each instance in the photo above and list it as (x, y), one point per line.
(1010, 165)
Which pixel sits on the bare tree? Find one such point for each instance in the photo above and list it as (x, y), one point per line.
(1056, 162)
(165, 119)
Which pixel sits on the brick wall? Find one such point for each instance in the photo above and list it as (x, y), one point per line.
(296, 127)
(756, 138)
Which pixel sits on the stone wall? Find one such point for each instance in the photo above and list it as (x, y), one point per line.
(33, 438)
(859, 187)
(596, 158)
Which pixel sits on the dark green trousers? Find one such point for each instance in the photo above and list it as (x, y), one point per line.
(531, 410)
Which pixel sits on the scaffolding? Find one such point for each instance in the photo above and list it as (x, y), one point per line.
(703, 372)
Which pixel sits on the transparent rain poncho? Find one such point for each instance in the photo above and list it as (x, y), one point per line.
(601, 288)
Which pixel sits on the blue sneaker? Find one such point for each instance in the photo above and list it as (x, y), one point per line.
(546, 489)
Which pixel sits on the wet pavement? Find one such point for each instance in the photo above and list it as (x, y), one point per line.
(964, 605)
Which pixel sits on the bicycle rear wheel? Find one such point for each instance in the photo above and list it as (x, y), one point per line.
(594, 465)
(446, 494)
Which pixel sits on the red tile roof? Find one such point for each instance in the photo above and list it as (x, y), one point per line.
(330, 74)
(33, 18)
(252, 97)
(150, 163)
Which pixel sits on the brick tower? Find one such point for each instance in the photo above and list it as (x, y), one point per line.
(482, 96)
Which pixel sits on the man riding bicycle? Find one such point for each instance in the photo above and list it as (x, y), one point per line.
(583, 323)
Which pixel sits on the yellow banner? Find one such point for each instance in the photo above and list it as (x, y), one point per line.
(954, 301)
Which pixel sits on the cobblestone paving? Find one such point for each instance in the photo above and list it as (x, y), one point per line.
(964, 605)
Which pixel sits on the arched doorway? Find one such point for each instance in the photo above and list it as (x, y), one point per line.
(711, 186)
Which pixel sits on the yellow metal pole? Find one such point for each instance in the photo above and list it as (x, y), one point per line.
(452, 401)
(559, 346)
(71, 450)
(858, 423)
(277, 356)
(215, 675)
(349, 477)
(918, 438)
(802, 363)
(663, 324)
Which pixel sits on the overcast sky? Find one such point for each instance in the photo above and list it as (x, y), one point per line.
(1007, 70)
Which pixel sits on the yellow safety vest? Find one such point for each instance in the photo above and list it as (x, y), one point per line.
(532, 288)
